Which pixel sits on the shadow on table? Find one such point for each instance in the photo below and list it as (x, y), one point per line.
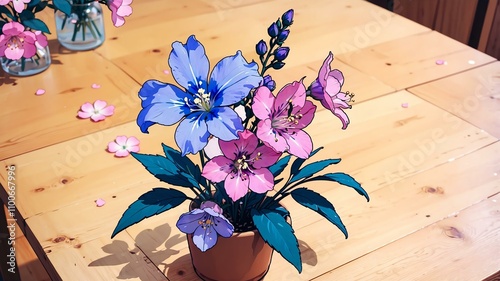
(147, 242)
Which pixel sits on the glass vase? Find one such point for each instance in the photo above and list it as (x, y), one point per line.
(28, 66)
(83, 29)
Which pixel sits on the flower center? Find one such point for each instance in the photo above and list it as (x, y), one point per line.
(15, 42)
(201, 100)
(205, 223)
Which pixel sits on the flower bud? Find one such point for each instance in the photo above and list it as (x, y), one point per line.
(278, 65)
(261, 48)
(287, 18)
(273, 30)
(281, 53)
(283, 35)
(269, 82)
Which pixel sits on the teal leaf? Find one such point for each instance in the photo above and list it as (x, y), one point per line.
(41, 6)
(299, 161)
(5, 11)
(313, 168)
(164, 170)
(347, 180)
(26, 15)
(183, 163)
(319, 204)
(279, 166)
(63, 6)
(278, 234)
(36, 24)
(33, 3)
(152, 203)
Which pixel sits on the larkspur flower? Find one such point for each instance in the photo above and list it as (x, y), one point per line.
(122, 146)
(18, 4)
(204, 105)
(205, 223)
(283, 118)
(327, 89)
(243, 167)
(119, 10)
(97, 111)
(15, 42)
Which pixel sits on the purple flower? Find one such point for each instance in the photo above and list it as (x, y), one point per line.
(272, 30)
(326, 88)
(283, 35)
(281, 53)
(261, 48)
(283, 118)
(204, 104)
(205, 224)
(243, 166)
(269, 82)
(287, 18)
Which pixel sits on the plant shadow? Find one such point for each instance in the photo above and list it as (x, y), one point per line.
(120, 253)
(307, 254)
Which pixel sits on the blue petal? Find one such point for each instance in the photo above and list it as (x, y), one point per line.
(224, 123)
(204, 239)
(232, 79)
(192, 135)
(188, 222)
(189, 64)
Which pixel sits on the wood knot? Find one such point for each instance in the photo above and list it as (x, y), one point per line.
(59, 239)
(156, 51)
(180, 272)
(40, 189)
(113, 38)
(48, 251)
(434, 190)
(78, 246)
(64, 181)
(453, 233)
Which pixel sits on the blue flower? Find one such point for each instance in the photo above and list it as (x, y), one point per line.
(203, 105)
(205, 223)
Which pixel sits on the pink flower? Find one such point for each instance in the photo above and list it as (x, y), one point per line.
(15, 42)
(243, 166)
(122, 146)
(41, 40)
(18, 4)
(326, 88)
(120, 9)
(283, 118)
(97, 112)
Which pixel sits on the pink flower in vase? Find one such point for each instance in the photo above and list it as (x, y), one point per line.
(16, 43)
(119, 10)
(122, 146)
(18, 4)
(243, 166)
(41, 40)
(283, 118)
(97, 111)
(326, 88)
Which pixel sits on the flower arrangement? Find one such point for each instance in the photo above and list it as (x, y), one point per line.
(245, 133)
(22, 33)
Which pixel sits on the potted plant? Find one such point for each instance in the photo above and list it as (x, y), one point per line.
(245, 133)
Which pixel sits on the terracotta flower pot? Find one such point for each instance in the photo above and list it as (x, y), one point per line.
(243, 257)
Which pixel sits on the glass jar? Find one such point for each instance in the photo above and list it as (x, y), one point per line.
(28, 66)
(83, 29)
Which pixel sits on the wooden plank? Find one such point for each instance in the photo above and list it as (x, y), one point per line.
(472, 95)
(464, 246)
(487, 25)
(423, 11)
(398, 64)
(455, 18)
(493, 47)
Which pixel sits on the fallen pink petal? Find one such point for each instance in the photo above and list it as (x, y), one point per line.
(123, 145)
(100, 202)
(97, 111)
(166, 72)
(40, 92)
(96, 86)
(441, 62)
(404, 105)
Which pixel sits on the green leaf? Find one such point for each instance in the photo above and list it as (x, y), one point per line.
(152, 203)
(319, 204)
(63, 6)
(165, 170)
(191, 171)
(278, 234)
(26, 15)
(36, 24)
(345, 179)
(5, 11)
(279, 166)
(33, 3)
(313, 168)
(299, 161)
(41, 6)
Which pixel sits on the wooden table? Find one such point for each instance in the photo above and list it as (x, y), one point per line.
(431, 169)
